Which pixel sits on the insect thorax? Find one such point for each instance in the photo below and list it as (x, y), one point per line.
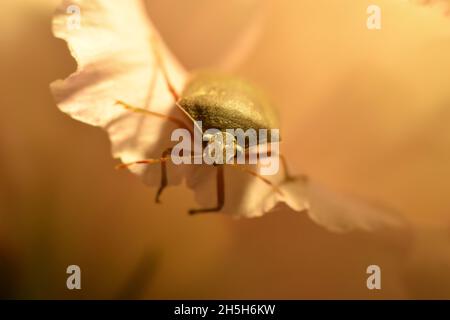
(224, 102)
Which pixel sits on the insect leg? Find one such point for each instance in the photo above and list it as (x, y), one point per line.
(162, 161)
(287, 175)
(220, 193)
(260, 177)
(176, 121)
(143, 161)
(163, 184)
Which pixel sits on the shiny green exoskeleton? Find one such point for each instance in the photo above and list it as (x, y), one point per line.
(225, 102)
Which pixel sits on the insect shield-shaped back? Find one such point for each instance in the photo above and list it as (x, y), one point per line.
(224, 103)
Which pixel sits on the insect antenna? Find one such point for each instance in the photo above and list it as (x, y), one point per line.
(175, 120)
(170, 87)
(287, 175)
(257, 175)
(151, 161)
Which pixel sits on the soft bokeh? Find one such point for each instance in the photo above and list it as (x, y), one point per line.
(365, 113)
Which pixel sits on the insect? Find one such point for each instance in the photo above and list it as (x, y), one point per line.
(220, 102)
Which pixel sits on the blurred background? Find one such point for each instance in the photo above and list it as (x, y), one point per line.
(365, 112)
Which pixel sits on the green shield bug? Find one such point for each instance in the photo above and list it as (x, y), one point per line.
(220, 102)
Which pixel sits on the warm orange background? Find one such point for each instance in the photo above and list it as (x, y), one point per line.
(62, 202)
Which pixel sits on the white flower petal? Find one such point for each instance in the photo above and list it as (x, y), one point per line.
(116, 62)
(246, 195)
(341, 213)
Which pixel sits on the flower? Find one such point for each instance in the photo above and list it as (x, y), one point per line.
(116, 62)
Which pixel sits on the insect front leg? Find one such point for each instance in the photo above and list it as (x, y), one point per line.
(163, 161)
(287, 175)
(163, 184)
(220, 181)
